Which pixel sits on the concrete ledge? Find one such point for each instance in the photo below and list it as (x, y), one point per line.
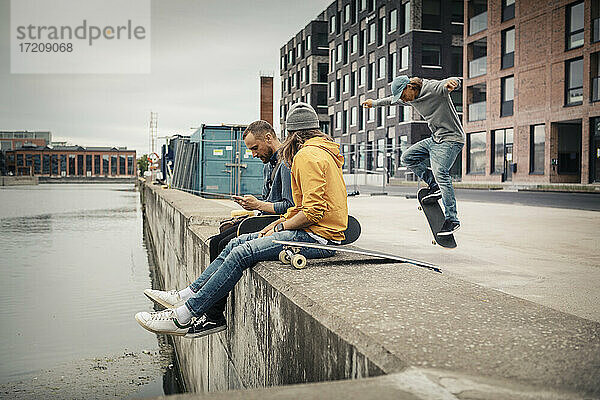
(350, 317)
(18, 180)
(549, 187)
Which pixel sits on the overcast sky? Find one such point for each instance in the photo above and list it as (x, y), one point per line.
(206, 59)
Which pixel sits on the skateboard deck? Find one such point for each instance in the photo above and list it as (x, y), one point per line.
(435, 218)
(255, 223)
(291, 254)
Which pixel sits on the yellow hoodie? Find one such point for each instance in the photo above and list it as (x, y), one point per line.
(318, 188)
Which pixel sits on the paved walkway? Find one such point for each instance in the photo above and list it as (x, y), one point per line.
(546, 255)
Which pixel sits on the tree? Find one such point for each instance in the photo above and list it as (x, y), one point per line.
(142, 163)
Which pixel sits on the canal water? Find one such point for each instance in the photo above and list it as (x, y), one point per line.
(73, 266)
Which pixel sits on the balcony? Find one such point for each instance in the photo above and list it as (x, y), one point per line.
(478, 67)
(477, 111)
(595, 91)
(478, 23)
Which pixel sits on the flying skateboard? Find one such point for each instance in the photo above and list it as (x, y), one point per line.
(435, 218)
(291, 254)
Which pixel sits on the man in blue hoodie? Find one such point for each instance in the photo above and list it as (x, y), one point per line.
(431, 99)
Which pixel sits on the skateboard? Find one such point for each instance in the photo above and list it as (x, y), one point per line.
(435, 218)
(255, 223)
(291, 254)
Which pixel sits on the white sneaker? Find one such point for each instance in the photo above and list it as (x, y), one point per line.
(164, 322)
(168, 299)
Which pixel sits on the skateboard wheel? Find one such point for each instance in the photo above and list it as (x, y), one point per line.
(284, 257)
(420, 208)
(433, 242)
(298, 261)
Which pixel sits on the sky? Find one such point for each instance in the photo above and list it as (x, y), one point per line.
(206, 61)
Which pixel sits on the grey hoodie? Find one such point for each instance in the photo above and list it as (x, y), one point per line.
(436, 107)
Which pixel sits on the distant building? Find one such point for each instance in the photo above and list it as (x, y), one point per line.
(10, 140)
(532, 100)
(70, 161)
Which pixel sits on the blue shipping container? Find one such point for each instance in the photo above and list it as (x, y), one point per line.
(226, 166)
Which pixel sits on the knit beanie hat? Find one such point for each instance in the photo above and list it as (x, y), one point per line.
(301, 116)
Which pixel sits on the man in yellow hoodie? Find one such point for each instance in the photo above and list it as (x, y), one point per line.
(319, 216)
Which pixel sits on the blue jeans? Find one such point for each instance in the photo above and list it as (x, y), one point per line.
(441, 157)
(242, 252)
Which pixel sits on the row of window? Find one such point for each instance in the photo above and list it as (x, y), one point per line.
(357, 116)
(303, 75)
(501, 159)
(71, 164)
(299, 52)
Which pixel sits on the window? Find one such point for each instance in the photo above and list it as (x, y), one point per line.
(338, 89)
(406, 113)
(393, 20)
(478, 50)
(362, 42)
(308, 79)
(595, 77)
(353, 116)
(130, 165)
(72, 164)
(346, 84)
(113, 165)
(457, 12)
(405, 17)
(307, 43)
(456, 62)
(347, 13)
(338, 53)
(332, 89)
(574, 82)
(303, 74)
(371, 5)
(338, 120)
(381, 31)
(354, 44)
(431, 15)
(321, 97)
(392, 67)
(372, 33)
(508, 10)
(371, 77)
(537, 144)
(121, 165)
(361, 75)
(508, 48)
(381, 68)
(332, 24)
(361, 113)
(346, 51)
(299, 51)
(322, 72)
(500, 138)
(88, 163)
(353, 83)
(353, 11)
(363, 5)
(332, 60)
(595, 22)
(457, 100)
(575, 25)
(476, 96)
(54, 168)
(97, 165)
(345, 119)
(392, 111)
(431, 55)
(404, 58)
(508, 96)
(371, 114)
(379, 110)
(476, 146)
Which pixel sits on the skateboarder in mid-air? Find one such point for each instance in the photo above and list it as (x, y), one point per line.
(319, 216)
(431, 99)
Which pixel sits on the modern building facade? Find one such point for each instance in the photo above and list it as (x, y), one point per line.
(304, 70)
(532, 102)
(369, 43)
(72, 161)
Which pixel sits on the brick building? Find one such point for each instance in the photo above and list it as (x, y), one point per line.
(531, 76)
(69, 161)
(369, 43)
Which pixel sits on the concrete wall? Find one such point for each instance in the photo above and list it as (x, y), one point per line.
(18, 180)
(271, 338)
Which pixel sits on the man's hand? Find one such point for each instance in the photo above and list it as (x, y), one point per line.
(367, 103)
(269, 229)
(451, 84)
(248, 202)
(267, 233)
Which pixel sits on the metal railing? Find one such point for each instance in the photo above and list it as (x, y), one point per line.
(478, 23)
(477, 111)
(478, 67)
